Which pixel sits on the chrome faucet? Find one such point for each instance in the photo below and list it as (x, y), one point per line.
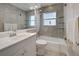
(13, 29)
(13, 33)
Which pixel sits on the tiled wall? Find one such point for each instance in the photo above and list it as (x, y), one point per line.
(11, 14)
(53, 31)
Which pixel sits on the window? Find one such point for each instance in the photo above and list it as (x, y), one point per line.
(32, 20)
(49, 18)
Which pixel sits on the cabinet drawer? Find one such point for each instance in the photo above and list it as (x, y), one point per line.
(30, 47)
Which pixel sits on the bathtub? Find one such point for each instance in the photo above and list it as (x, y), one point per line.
(55, 46)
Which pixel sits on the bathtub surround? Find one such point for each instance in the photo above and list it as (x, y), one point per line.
(11, 15)
(53, 31)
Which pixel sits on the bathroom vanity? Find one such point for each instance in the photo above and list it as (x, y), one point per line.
(23, 44)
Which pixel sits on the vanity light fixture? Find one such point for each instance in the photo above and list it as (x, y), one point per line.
(36, 6)
(50, 7)
(40, 10)
(33, 7)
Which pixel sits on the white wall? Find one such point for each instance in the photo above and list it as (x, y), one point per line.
(71, 13)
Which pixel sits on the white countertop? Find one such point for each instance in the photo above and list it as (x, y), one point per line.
(8, 41)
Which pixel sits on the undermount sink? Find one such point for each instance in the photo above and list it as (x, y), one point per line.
(31, 30)
(17, 33)
(4, 34)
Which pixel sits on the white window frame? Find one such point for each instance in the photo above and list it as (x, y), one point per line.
(47, 19)
(30, 20)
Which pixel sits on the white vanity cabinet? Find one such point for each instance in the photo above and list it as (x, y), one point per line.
(26, 47)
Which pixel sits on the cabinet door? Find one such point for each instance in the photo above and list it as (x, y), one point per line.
(26, 47)
(20, 52)
(10, 51)
(30, 46)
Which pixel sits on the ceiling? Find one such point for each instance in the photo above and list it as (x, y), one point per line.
(27, 6)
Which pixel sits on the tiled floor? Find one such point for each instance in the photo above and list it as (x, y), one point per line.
(53, 52)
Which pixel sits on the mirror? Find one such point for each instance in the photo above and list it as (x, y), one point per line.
(12, 17)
